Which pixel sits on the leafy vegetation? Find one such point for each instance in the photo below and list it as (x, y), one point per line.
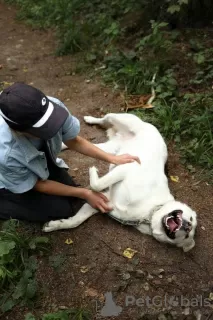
(131, 41)
(72, 314)
(18, 265)
(19, 253)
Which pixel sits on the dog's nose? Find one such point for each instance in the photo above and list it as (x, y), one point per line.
(187, 226)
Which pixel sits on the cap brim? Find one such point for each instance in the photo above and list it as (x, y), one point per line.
(52, 125)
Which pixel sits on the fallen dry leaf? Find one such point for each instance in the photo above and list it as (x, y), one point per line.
(69, 241)
(144, 106)
(91, 292)
(174, 178)
(148, 106)
(129, 253)
(84, 269)
(144, 99)
(138, 101)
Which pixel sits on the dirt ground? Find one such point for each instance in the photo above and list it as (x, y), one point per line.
(157, 270)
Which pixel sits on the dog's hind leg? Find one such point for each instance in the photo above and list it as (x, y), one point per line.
(121, 122)
(99, 184)
(83, 214)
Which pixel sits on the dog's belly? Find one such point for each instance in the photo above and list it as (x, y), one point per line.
(148, 145)
(136, 196)
(145, 185)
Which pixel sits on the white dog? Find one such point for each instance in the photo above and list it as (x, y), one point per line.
(138, 193)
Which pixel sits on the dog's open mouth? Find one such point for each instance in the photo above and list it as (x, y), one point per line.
(173, 222)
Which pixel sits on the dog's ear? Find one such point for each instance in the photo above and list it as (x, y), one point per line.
(188, 245)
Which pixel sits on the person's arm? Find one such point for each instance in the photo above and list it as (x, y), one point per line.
(95, 199)
(70, 131)
(85, 147)
(59, 189)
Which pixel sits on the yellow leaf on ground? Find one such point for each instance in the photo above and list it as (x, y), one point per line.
(129, 253)
(84, 269)
(5, 83)
(69, 241)
(174, 178)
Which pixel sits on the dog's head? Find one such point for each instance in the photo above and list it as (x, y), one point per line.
(175, 223)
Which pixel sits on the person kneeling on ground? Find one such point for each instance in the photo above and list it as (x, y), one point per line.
(34, 184)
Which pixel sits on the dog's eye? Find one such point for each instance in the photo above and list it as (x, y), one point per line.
(191, 219)
(186, 236)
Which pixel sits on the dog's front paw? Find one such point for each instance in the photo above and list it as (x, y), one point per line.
(52, 226)
(189, 246)
(93, 170)
(89, 119)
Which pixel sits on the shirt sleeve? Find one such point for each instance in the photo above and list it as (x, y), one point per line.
(17, 178)
(71, 127)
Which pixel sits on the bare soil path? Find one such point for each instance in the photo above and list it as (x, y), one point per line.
(28, 55)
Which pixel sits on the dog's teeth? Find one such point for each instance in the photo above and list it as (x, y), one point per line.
(167, 223)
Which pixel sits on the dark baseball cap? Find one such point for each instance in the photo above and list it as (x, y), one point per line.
(27, 109)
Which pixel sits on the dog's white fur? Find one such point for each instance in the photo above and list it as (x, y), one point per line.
(135, 190)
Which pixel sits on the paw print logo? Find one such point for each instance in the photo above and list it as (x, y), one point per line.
(110, 308)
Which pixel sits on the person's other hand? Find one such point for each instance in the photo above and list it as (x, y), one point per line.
(124, 158)
(98, 201)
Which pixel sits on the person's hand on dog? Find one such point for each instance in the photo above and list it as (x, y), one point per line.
(124, 158)
(98, 201)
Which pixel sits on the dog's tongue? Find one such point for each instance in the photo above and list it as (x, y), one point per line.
(172, 224)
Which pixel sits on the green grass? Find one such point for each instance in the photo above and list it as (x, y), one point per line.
(18, 264)
(71, 314)
(19, 252)
(190, 130)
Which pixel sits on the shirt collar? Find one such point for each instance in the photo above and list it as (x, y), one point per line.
(29, 151)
